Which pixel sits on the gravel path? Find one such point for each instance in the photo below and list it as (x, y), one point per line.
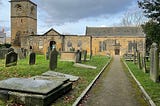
(115, 88)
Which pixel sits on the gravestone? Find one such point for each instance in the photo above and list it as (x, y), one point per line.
(53, 59)
(144, 64)
(21, 53)
(3, 52)
(48, 53)
(25, 53)
(134, 57)
(85, 55)
(139, 60)
(78, 56)
(10, 50)
(11, 59)
(32, 58)
(154, 62)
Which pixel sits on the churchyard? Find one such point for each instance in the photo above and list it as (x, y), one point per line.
(146, 70)
(27, 68)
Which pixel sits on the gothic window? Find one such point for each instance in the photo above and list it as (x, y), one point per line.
(130, 46)
(19, 8)
(17, 39)
(69, 44)
(40, 44)
(104, 46)
(101, 46)
(32, 10)
(79, 43)
(134, 45)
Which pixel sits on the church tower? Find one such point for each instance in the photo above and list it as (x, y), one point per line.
(23, 20)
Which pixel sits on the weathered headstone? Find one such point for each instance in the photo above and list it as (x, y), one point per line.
(32, 58)
(53, 59)
(4, 51)
(78, 56)
(25, 53)
(154, 62)
(48, 53)
(134, 57)
(139, 60)
(85, 55)
(11, 59)
(21, 53)
(144, 64)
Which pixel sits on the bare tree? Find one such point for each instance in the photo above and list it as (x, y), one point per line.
(133, 18)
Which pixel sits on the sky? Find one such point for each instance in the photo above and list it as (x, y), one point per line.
(72, 16)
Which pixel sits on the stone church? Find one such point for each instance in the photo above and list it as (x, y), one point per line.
(97, 40)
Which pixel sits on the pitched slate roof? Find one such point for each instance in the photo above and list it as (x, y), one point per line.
(114, 31)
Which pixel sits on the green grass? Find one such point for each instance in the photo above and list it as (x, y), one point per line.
(23, 69)
(153, 89)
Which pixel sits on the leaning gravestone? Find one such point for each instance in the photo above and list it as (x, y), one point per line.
(53, 60)
(32, 58)
(11, 59)
(154, 62)
(78, 56)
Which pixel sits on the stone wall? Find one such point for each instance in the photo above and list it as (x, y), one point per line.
(77, 42)
(109, 45)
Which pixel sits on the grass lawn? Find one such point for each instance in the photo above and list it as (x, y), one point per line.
(153, 89)
(23, 69)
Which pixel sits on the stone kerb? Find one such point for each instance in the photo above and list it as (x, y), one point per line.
(154, 62)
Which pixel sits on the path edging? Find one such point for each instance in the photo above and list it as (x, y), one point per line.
(90, 85)
(140, 86)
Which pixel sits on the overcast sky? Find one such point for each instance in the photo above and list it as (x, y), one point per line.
(72, 16)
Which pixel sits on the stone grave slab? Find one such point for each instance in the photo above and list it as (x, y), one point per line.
(61, 75)
(84, 66)
(30, 85)
(50, 78)
(30, 92)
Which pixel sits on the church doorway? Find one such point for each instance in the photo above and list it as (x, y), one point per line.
(51, 44)
(117, 51)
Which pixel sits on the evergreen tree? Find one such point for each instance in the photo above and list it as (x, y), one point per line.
(151, 8)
